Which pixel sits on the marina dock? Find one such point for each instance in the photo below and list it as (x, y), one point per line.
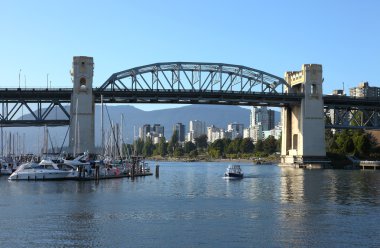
(369, 165)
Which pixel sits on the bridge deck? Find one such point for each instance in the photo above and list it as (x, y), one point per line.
(46, 99)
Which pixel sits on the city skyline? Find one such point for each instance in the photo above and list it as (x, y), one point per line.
(38, 45)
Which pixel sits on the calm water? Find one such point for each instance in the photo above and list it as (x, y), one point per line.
(191, 205)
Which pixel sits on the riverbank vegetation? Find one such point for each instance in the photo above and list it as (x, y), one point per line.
(357, 143)
(239, 148)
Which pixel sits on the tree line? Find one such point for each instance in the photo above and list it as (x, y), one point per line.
(351, 142)
(345, 142)
(221, 148)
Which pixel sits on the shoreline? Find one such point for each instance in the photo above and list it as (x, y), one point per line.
(234, 160)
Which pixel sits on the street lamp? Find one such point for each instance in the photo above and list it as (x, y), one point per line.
(19, 75)
(47, 80)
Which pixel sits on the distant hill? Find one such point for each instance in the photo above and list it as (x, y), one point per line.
(134, 118)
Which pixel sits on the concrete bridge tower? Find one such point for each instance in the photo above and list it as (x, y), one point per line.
(82, 108)
(303, 126)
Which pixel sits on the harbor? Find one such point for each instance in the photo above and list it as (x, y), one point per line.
(80, 169)
(148, 211)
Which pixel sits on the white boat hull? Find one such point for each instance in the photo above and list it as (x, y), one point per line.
(36, 174)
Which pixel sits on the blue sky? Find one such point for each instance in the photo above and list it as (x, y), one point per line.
(41, 37)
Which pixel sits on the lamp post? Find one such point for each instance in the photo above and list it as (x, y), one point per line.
(47, 80)
(19, 75)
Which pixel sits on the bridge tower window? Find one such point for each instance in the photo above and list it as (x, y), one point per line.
(82, 83)
(313, 90)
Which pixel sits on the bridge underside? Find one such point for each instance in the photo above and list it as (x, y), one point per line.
(50, 107)
(204, 97)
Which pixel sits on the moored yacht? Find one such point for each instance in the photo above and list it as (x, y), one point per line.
(45, 170)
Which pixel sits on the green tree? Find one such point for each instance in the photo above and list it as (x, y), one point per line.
(364, 144)
(201, 141)
(226, 143)
(246, 145)
(173, 144)
(148, 148)
(163, 147)
(216, 149)
(174, 139)
(349, 146)
(342, 140)
(178, 151)
(270, 145)
(234, 146)
(193, 154)
(189, 147)
(138, 146)
(259, 147)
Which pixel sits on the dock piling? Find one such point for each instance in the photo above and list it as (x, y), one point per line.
(157, 171)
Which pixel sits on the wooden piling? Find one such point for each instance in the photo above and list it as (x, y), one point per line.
(157, 170)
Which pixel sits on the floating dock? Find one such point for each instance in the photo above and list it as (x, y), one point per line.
(94, 178)
(369, 165)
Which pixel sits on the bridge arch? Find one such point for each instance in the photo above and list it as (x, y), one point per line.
(195, 77)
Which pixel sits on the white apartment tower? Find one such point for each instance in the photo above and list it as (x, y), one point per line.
(196, 129)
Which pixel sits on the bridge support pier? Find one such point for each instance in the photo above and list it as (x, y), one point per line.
(82, 107)
(303, 126)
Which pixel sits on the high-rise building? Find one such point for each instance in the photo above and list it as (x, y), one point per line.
(196, 129)
(262, 116)
(180, 129)
(158, 130)
(364, 90)
(255, 133)
(215, 133)
(153, 133)
(275, 132)
(236, 130)
(143, 131)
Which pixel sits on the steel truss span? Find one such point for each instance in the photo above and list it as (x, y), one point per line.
(34, 107)
(347, 112)
(196, 83)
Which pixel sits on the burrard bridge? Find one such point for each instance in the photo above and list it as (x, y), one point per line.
(306, 111)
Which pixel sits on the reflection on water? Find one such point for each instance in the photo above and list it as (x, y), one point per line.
(323, 203)
(292, 185)
(191, 205)
(340, 187)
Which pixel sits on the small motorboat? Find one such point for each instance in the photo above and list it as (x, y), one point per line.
(233, 172)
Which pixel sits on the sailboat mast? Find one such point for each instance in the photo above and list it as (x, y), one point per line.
(2, 142)
(46, 140)
(102, 124)
(121, 136)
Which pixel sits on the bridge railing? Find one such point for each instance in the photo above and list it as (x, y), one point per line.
(35, 89)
